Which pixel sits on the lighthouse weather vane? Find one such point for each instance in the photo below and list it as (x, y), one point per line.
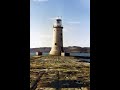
(59, 17)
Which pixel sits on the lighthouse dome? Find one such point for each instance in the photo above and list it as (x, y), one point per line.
(58, 22)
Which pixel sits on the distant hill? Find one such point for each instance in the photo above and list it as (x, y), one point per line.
(66, 49)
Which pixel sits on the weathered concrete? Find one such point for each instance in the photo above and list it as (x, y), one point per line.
(64, 69)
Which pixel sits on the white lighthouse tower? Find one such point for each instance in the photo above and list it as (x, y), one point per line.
(57, 43)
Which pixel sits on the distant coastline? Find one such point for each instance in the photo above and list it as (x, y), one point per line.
(68, 49)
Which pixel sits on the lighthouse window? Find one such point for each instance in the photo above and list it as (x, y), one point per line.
(58, 21)
(55, 43)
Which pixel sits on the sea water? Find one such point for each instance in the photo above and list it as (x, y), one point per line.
(71, 54)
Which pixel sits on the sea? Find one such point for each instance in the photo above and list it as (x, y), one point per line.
(71, 54)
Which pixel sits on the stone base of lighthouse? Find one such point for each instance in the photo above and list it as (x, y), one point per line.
(55, 51)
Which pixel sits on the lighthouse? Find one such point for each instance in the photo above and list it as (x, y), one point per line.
(57, 43)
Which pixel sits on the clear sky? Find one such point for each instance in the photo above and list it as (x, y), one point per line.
(75, 19)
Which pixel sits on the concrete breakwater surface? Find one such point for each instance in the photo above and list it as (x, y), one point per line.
(60, 73)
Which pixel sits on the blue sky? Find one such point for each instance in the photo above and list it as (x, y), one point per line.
(75, 19)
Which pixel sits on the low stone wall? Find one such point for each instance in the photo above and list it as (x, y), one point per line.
(65, 54)
(38, 53)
